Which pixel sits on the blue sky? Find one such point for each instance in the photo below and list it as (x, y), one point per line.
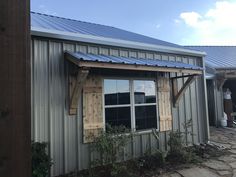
(186, 22)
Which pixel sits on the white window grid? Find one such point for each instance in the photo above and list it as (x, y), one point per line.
(132, 104)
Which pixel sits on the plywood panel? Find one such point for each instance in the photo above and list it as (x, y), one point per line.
(164, 104)
(92, 108)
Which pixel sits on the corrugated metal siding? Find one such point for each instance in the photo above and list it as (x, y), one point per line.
(219, 105)
(56, 91)
(51, 122)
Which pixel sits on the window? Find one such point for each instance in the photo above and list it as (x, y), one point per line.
(131, 103)
(145, 104)
(117, 102)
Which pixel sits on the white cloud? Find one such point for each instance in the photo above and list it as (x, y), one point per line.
(216, 27)
(191, 18)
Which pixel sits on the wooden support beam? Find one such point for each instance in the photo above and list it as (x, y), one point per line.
(220, 83)
(178, 94)
(220, 80)
(76, 85)
(15, 89)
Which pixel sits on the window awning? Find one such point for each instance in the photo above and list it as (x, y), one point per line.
(139, 64)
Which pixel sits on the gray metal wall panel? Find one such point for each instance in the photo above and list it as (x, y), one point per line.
(187, 108)
(181, 108)
(40, 88)
(150, 55)
(124, 53)
(64, 133)
(70, 140)
(194, 105)
(133, 54)
(93, 50)
(81, 48)
(219, 104)
(103, 51)
(114, 52)
(57, 104)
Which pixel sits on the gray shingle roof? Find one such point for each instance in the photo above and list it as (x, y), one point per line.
(218, 57)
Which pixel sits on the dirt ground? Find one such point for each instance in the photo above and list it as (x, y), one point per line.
(223, 165)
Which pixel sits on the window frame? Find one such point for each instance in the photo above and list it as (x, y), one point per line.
(132, 104)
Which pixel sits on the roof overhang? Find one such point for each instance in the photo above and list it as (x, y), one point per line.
(83, 61)
(227, 73)
(110, 41)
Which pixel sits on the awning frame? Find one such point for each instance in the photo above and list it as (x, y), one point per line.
(77, 81)
(136, 67)
(178, 94)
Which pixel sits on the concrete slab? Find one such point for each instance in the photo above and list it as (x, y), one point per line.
(217, 165)
(175, 175)
(233, 151)
(225, 173)
(228, 158)
(197, 172)
(233, 165)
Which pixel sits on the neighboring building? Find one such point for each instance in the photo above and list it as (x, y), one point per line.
(220, 75)
(85, 75)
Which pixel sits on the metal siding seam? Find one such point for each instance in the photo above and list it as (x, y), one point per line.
(180, 106)
(198, 109)
(50, 152)
(32, 91)
(190, 108)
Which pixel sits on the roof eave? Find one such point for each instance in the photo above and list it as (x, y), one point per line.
(106, 65)
(225, 68)
(110, 41)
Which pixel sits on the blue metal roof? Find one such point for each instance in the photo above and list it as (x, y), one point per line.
(132, 61)
(50, 22)
(218, 57)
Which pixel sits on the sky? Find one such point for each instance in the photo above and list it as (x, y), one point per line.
(184, 22)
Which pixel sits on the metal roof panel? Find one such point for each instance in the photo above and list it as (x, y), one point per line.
(218, 57)
(49, 22)
(132, 61)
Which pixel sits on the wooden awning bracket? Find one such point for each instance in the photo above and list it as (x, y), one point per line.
(220, 80)
(177, 94)
(75, 87)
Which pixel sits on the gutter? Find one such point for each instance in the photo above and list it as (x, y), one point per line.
(110, 41)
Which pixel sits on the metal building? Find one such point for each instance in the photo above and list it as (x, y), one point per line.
(220, 75)
(73, 63)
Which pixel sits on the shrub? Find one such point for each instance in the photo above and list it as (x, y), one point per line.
(110, 145)
(41, 162)
(152, 161)
(179, 153)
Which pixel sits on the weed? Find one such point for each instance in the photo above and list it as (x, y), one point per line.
(41, 162)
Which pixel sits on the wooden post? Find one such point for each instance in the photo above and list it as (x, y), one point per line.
(15, 151)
